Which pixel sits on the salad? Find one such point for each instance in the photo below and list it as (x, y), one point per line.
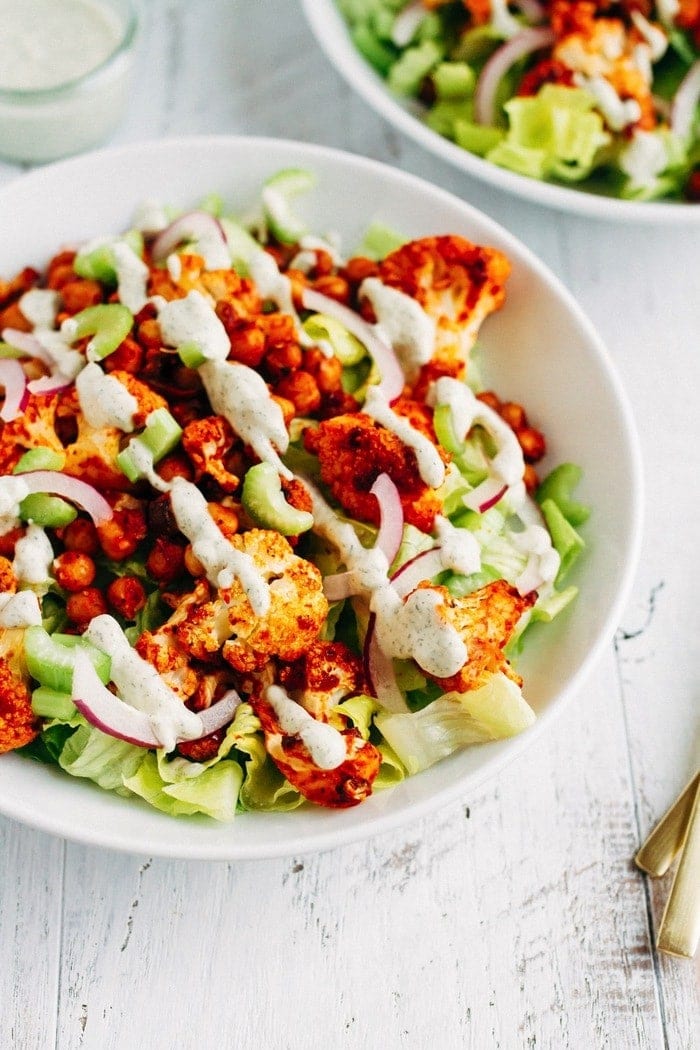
(594, 93)
(264, 537)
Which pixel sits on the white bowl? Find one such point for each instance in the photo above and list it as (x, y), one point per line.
(541, 351)
(332, 34)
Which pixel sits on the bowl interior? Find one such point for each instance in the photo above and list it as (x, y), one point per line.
(331, 32)
(539, 350)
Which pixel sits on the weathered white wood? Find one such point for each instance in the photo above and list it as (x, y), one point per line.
(515, 919)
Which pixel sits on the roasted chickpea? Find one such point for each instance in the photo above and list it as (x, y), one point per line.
(74, 571)
(127, 596)
(81, 535)
(80, 293)
(302, 390)
(165, 561)
(85, 605)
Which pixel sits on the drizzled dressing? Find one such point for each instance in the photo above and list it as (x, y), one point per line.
(323, 742)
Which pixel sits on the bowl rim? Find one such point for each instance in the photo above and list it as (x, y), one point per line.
(127, 39)
(234, 848)
(330, 31)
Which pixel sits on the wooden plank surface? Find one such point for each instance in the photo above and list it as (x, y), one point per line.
(513, 919)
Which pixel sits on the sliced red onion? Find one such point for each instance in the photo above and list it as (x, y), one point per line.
(390, 516)
(48, 384)
(406, 23)
(28, 344)
(379, 671)
(188, 227)
(486, 495)
(685, 101)
(534, 38)
(112, 716)
(13, 379)
(392, 382)
(340, 585)
(423, 567)
(72, 489)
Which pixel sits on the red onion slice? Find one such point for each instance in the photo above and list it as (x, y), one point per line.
(379, 671)
(392, 382)
(112, 716)
(72, 489)
(486, 495)
(13, 379)
(524, 43)
(423, 567)
(49, 384)
(28, 344)
(532, 9)
(390, 516)
(685, 101)
(188, 227)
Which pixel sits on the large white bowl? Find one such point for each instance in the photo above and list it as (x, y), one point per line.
(541, 351)
(332, 34)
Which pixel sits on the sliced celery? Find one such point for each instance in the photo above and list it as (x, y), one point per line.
(51, 658)
(51, 511)
(51, 703)
(264, 501)
(109, 324)
(40, 458)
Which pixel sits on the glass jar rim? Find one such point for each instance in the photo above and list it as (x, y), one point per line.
(48, 94)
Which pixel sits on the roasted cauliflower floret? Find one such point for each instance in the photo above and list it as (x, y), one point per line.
(207, 442)
(297, 609)
(326, 674)
(353, 451)
(347, 785)
(216, 285)
(18, 723)
(162, 647)
(457, 283)
(35, 427)
(485, 620)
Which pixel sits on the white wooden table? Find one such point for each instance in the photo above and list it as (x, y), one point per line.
(513, 919)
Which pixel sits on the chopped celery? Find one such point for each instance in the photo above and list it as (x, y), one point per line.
(161, 435)
(8, 352)
(345, 346)
(444, 430)
(559, 486)
(109, 324)
(277, 195)
(445, 115)
(477, 138)
(379, 54)
(453, 80)
(51, 658)
(407, 73)
(379, 240)
(191, 355)
(264, 501)
(565, 538)
(98, 264)
(40, 458)
(51, 511)
(51, 703)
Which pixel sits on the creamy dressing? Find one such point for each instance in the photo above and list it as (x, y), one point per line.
(272, 284)
(132, 276)
(40, 307)
(20, 610)
(44, 43)
(173, 265)
(222, 562)
(414, 628)
(502, 21)
(213, 248)
(430, 466)
(459, 548)
(325, 744)
(543, 560)
(667, 11)
(402, 323)
(140, 685)
(150, 218)
(142, 458)
(654, 37)
(193, 320)
(33, 558)
(643, 158)
(241, 396)
(104, 401)
(68, 362)
(12, 491)
(619, 113)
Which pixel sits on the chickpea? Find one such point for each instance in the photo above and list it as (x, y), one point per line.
(192, 563)
(513, 414)
(165, 561)
(74, 571)
(81, 535)
(148, 334)
(334, 287)
(360, 267)
(532, 443)
(80, 293)
(225, 517)
(127, 596)
(175, 465)
(128, 357)
(85, 605)
(302, 390)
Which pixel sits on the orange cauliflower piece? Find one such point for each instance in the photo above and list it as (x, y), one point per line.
(486, 620)
(163, 650)
(457, 283)
(207, 442)
(325, 675)
(216, 285)
(298, 607)
(18, 723)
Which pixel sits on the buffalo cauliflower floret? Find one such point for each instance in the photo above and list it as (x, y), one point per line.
(353, 451)
(485, 620)
(326, 674)
(162, 647)
(347, 785)
(207, 443)
(457, 283)
(18, 723)
(216, 285)
(297, 611)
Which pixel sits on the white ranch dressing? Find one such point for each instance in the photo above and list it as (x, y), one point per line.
(667, 11)
(173, 265)
(643, 158)
(44, 43)
(142, 459)
(20, 610)
(430, 466)
(502, 21)
(325, 744)
(140, 685)
(654, 37)
(104, 400)
(241, 396)
(12, 491)
(132, 276)
(40, 307)
(402, 323)
(68, 362)
(275, 286)
(192, 320)
(33, 558)
(459, 548)
(619, 113)
(221, 560)
(543, 560)
(413, 628)
(150, 217)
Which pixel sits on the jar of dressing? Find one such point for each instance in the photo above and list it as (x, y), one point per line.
(64, 74)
